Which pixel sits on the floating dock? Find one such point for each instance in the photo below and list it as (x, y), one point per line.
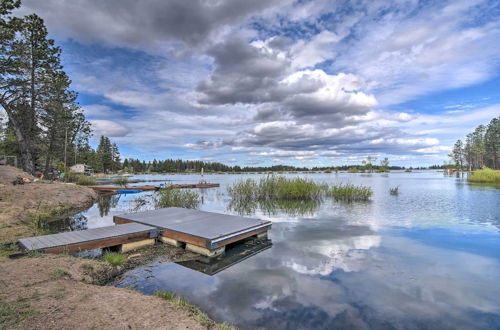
(127, 236)
(202, 232)
(153, 187)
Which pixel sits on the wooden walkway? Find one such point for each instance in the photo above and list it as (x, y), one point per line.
(152, 187)
(77, 241)
(203, 232)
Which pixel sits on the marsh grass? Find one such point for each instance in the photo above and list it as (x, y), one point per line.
(84, 180)
(351, 193)
(485, 175)
(40, 219)
(121, 181)
(114, 258)
(394, 190)
(182, 302)
(169, 197)
(276, 188)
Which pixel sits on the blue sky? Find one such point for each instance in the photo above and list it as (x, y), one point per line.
(310, 83)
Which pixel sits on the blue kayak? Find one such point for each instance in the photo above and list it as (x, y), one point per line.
(129, 191)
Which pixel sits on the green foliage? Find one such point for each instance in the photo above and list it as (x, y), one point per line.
(351, 193)
(394, 190)
(57, 273)
(114, 259)
(353, 169)
(84, 180)
(121, 181)
(485, 175)
(274, 188)
(169, 197)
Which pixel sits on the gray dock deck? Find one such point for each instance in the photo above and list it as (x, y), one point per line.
(75, 241)
(203, 229)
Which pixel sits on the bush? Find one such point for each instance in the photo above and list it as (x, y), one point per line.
(352, 170)
(114, 258)
(485, 175)
(169, 197)
(84, 180)
(350, 193)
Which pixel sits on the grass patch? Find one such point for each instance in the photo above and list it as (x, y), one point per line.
(57, 273)
(193, 310)
(87, 267)
(114, 258)
(485, 175)
(13, 313)
(84, 180)
(121, 181)
(275, 188)
(169, 197)
(394, 190)
(351, 193)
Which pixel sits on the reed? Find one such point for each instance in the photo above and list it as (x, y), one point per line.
(485, 175)
(84, 180)
(121, 181)
(272, 188)
(394, 190)
(170, 197)
(351, 193)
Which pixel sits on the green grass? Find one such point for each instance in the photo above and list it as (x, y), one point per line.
(486, 175)
(121, 181)
(274, 188)
(193, 310)
(351, 193)
(84, 180)
(57, 273)
(114, 258)
(394, 190)
(12, 313)
(169, 197)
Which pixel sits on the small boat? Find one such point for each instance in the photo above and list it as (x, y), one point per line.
(129, 191)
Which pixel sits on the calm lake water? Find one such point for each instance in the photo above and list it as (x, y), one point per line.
(428, 258)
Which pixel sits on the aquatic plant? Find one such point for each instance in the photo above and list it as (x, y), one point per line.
(485, 175)
(350, 193)
(114, 258)
(394, 190)
(274, 187)
(169, 197)
(121, 181)
(84, 180)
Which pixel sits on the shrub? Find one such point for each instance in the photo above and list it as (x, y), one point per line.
(485, 175)
(350, 192)
(353, 170)
(84, 180)
(114, 258)
(169, 197)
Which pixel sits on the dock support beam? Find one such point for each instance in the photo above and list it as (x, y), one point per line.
(204, 251)
(170, 241)
(136, 245)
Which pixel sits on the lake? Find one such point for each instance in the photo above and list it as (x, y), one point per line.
(428, 258)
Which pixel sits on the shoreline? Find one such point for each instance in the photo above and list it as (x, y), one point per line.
(60, 291)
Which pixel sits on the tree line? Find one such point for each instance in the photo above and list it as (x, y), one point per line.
(481, 148)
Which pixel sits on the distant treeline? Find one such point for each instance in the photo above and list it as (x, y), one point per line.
(131, 165)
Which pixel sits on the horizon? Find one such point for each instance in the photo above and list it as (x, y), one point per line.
(305, 84)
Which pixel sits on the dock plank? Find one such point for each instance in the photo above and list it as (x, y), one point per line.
(83, 236)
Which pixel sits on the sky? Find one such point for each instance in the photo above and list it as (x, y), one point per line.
(265, 82)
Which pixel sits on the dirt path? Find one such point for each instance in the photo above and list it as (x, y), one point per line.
(22, 205)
